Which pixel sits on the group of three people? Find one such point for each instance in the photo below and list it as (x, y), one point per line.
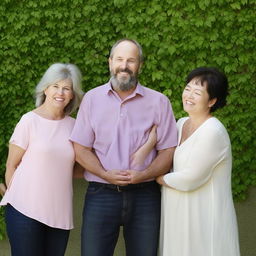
(125, 142)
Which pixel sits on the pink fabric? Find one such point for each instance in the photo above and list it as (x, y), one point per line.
(41, 186)
(115, 129)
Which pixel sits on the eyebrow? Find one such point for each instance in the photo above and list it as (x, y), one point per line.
(132, 58)
(199, 89)
(57, 83)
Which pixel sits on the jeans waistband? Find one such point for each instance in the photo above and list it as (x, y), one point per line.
(124, 188)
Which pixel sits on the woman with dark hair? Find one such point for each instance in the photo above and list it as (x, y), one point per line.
(198, 215)
(40, 167)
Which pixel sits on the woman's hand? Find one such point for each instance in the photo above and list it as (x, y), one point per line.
(160, 181)
(2, 189)
(141, 154)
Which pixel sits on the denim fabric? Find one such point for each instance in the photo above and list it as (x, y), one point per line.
(29, 237)
(105, 210)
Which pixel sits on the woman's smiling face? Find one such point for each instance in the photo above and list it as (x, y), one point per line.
(195, 98)
(60, 93)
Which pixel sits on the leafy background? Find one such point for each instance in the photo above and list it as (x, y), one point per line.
(176, 36)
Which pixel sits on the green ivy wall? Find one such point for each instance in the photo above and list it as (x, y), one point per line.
(176, 36)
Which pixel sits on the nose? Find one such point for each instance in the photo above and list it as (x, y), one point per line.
(124, 64)
(60, 91)
(191, 95)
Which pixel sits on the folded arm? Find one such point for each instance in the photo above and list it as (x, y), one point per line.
(87, 158)
(209, 150)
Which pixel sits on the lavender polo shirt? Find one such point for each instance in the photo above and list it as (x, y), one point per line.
(116, 128)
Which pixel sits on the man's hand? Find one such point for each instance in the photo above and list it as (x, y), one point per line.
(118, 177)
(136, 176)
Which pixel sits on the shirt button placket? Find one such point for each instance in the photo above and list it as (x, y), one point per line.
(122, 110)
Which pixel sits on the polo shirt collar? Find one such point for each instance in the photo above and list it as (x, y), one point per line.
(138, 90)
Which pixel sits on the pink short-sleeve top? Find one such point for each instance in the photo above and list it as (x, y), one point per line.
(41, 187)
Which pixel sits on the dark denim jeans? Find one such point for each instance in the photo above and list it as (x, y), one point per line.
(105, 210)
(29, 237)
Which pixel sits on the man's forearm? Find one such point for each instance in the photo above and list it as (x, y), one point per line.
(86, 158)
(160, 165)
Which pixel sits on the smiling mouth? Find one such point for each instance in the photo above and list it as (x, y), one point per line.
(123, 73)
(59, 99)
(126, 71)
(189, 102)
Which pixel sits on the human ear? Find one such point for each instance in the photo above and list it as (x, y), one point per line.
(109, 63)
(212, 102)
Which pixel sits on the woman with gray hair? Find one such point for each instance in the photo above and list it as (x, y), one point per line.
(40, 167)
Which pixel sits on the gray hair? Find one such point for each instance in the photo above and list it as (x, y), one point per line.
(57, 72)
(141, 58)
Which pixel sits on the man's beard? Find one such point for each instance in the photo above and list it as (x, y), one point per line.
(123, 83)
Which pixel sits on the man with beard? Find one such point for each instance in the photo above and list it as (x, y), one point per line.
(113, 122)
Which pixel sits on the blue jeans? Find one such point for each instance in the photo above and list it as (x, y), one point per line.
(105, 210)
(29, 237)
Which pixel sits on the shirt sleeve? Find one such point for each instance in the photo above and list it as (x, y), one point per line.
(20, 136)
(209, 149)
(166, 127)
(83, 133)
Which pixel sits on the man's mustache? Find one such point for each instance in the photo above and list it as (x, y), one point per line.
(127, 70)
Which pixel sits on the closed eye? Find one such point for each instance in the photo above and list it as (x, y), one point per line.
(131, 60)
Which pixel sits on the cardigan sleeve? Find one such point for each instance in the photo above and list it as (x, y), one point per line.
(209, 148)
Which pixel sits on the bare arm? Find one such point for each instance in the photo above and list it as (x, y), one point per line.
(87, 158)
(2, 189)
(160, 165)
(141, 154)
(14, 157)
